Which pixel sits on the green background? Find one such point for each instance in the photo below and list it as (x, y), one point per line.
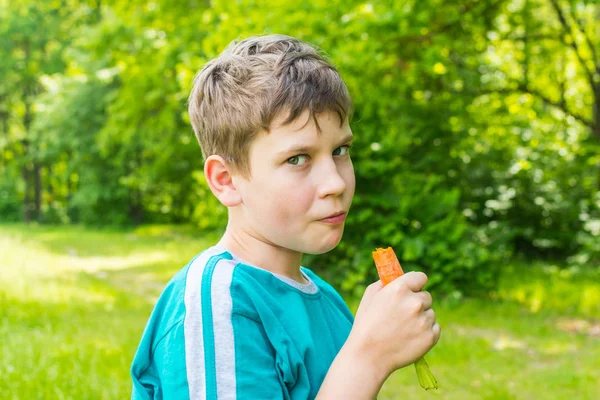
(477, 157)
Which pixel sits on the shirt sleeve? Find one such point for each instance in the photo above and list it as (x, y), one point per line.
(212, 352)
(159, 369)
(146, 385)
(258, 371)
(247, 369)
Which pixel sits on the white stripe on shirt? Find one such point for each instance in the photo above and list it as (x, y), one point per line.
(224, 343)
(222, 328)
(192, 328)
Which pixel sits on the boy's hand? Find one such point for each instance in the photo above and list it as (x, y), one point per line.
(394, 325)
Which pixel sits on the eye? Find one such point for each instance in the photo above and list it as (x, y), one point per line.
(298, 160)
(342, 150)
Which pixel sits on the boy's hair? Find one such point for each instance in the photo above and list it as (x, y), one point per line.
(239, 93)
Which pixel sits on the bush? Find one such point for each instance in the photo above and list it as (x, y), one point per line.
(588, 239)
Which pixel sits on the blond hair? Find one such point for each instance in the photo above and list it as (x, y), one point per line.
(252, 82)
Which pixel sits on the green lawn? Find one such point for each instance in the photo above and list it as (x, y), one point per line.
(74, 302)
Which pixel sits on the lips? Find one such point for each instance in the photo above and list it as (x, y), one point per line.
(337, 214)
(335, 218)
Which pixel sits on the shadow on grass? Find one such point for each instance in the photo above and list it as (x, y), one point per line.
(135, 287)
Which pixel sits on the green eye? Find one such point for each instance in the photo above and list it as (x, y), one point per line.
(300, 159)
(342, 150)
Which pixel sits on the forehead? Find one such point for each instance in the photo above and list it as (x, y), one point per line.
(304, 131)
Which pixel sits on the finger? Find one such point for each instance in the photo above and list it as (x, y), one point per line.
(370, 291)
(415, 281)
(426, 299)
(430, 317)
(437, 331)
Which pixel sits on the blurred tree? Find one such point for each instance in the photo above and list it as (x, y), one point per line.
(33, 37)
(476, 122)
(539, 100)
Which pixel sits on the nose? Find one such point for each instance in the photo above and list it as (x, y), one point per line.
(330, 181)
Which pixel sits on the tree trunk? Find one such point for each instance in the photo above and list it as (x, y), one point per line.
(136, 212)
(49, 187)
(71, 212)
(27, 171)
(4, 115)
(37, 191)
(597, 121)
(27, 119)
(27, 197)
(596, 89)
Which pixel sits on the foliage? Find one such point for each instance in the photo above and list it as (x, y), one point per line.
(476, 124)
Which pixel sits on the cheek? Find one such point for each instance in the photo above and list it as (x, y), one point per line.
(350, 179)
(288, 200)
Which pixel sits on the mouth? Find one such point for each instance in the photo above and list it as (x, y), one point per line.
(335, 218)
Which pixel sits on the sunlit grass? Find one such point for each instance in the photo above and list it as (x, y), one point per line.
(492, 350)
(539, 286)
(74, 303)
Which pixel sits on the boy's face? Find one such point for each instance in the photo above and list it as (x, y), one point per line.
(299, 177)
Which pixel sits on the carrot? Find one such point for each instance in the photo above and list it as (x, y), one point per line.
(387, 264)
(389, 268)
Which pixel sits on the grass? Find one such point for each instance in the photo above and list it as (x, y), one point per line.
(74, 303)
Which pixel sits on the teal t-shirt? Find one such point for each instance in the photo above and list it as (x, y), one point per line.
(224, 329)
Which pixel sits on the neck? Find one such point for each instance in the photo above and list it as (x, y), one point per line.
(258, 251)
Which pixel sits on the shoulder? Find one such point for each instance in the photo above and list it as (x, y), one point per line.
(189, 292)
(199, 297)
(218, 286)
(189, 340)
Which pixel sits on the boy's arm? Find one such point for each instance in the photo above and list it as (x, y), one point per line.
(352, 377)
(256, 376)
(394, 326)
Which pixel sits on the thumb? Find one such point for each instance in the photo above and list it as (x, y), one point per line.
(414, 281)
(370, 292)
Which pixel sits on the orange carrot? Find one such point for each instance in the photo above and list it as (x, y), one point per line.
(387, 265)
(389, 269)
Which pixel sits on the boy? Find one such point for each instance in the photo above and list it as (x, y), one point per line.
(243, 319)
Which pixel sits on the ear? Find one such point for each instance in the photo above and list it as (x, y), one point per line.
(220, 180)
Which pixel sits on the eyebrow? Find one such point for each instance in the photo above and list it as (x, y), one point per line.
(300, 148)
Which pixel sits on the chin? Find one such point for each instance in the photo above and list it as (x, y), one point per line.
(325, 244)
